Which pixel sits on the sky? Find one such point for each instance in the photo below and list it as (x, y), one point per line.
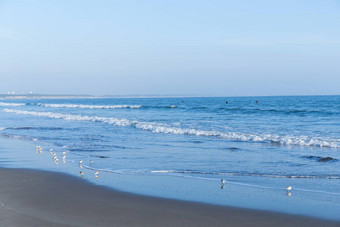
(170, 47)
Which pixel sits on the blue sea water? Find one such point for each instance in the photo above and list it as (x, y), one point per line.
(253, 142)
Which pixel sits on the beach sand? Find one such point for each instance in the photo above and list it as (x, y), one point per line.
(37, 198)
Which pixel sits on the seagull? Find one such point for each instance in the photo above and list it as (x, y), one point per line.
(222, 181)
(81, 173)
(289, 188)
(91, 161)
(81, 161)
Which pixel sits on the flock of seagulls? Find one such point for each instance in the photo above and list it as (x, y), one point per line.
(81, 166)
(39, 150)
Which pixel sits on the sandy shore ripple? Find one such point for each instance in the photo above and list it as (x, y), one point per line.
(36, 198)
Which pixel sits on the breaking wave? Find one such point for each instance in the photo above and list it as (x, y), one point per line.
(166, 129)
(102, 106)
(90, 106)
(12, 104)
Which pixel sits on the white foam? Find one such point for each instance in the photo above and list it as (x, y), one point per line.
(11, 104)
(90, 106)
(162, 128)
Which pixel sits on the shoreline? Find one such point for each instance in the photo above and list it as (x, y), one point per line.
(39, 198)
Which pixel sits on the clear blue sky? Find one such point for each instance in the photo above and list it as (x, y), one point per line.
(169, 47)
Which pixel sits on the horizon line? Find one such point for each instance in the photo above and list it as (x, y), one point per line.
(28, 95)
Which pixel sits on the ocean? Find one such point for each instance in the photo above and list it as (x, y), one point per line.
(181, 148)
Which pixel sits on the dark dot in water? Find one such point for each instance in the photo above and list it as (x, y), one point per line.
(197, 141)
(101, 156)
(231, 148)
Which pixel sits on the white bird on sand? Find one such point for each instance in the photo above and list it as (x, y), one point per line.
(289, 188)
(222, 181)
(91, 161)
(81, 173)
(81, 161)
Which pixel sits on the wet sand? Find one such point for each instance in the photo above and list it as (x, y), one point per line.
(37, 198)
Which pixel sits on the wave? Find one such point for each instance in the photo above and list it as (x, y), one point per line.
(103, 106)
(90, 106)
(34, 128)
(165, 129)
(220, 174)
(12, 104)
(249, 174)
(83, 106)
(321, 159)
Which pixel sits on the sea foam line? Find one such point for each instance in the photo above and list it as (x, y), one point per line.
(90, 106)
(247, 174)
(138, 172)
(165, 129)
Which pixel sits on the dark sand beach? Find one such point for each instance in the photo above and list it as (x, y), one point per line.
(37, 198)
